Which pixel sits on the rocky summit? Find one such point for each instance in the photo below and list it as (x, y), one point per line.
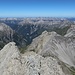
(29, 63)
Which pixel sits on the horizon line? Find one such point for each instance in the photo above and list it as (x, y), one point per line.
(38, 17)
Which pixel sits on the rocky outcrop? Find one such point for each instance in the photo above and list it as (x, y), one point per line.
(29, 63)
(52, 44)
(5, 31)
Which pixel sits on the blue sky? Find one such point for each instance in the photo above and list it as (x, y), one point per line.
(37, 8)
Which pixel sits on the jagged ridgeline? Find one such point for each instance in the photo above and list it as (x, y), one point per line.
(29, 63)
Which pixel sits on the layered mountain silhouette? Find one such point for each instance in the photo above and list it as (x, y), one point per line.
(40, 46)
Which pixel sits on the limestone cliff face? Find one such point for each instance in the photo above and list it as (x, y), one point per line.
(29, 63)
(52, 44)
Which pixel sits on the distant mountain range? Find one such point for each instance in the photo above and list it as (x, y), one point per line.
(26, 29)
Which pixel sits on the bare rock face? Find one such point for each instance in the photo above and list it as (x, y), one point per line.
(29, 63)
(6, 30)
(71, 32)
(9, 56)
(52, 44)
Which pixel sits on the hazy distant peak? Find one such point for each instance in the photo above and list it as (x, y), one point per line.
(4, 27)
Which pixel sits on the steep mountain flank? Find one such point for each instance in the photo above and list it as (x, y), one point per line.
(55, 45)
(6, 34)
